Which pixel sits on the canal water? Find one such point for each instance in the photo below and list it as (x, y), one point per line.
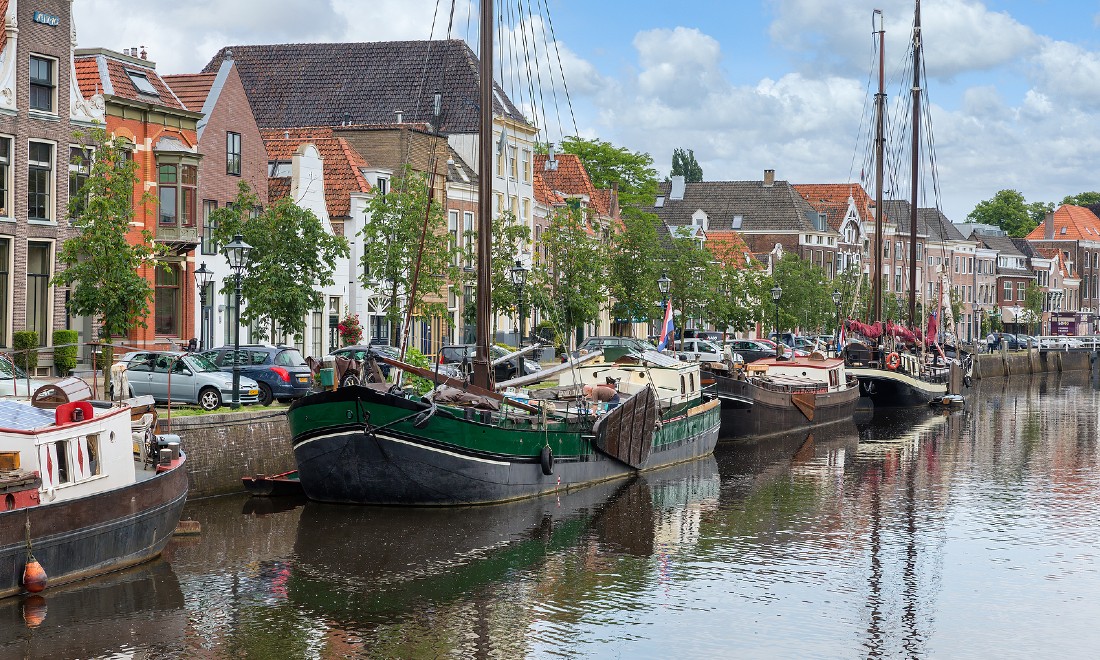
(971, 534)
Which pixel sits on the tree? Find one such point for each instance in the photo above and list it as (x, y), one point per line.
(685, 165)
(806, 302)
(392, 245)
(609, 166)
(1082, 199)
(509, 239)
(568, 285)
(694, 275)
(292, 258)
(1034, 297)
(1038, 211)
(1007, 210)
(101, 262)
(634, 267)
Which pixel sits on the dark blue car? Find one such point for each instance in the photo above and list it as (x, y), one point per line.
(281, 371)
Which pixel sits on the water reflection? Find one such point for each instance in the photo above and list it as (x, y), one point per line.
(920, 534)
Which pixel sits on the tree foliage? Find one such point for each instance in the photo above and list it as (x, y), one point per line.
(392, 243)
(634, 267)
(568, 285)
(694, 275)
(1008, 210)
(509, 240)
(806, 302)
(1082, 199)
(102, 262)
(608, 166)
(292, 258)
(684, 164)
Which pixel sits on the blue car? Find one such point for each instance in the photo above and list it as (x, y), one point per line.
(281, 371)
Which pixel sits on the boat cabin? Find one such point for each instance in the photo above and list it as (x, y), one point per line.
(815, 370)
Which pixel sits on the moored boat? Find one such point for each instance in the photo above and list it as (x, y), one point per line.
(774, 395)
(275, 485)
(86, 490)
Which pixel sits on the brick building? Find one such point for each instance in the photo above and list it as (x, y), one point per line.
(40, 107)
(233, 152)
(142, 109)
(1075, 231)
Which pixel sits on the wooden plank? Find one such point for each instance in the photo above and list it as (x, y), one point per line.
(805, 404)
(626, 433)
(440, 379)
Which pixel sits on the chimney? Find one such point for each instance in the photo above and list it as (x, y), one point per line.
(678, 186)
(400, 116)
(144, 55)
(769, 178)
(1048, 224)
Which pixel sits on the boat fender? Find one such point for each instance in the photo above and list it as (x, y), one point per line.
(34, 576)
(893, 360)
(546, 457)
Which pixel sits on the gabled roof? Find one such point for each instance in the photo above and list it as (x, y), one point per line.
(328, 84)
(931, 222)
(191, 88)
(832, 200)
(458, 170)
(763, 209)
(729, 248)
(569, 179)
(1078, 223)
(104, 71)
(1055, 255)
(343, 166)
(1003, 244)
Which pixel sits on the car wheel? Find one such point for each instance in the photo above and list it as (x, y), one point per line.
(285, 400)
(349, 380)
(210, 399)
(265, 394)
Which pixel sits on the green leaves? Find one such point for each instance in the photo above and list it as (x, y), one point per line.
(684, 164)
(569, 283)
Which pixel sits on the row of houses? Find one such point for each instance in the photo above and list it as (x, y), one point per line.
(330, 125)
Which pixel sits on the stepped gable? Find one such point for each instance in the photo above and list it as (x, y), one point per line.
(331, 84)
(343, 166)
(832, 200)
(191, 88)
(1071, 223)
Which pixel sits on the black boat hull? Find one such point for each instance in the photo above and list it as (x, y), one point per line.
(893, 389)
(748, 410)
(93, 535)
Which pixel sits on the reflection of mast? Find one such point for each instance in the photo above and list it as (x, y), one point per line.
(909, 593)
(875, 643)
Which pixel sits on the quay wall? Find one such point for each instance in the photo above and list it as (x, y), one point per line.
(1015, 363)
(223, 448)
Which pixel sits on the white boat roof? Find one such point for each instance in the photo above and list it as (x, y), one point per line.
(661, 360)
(23, 416)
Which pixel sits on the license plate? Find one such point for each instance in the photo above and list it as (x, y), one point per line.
(253, 392)
(303, 379)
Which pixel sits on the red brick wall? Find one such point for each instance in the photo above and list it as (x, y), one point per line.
(231, 113)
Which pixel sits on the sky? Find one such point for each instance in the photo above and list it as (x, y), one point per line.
(1013, 86)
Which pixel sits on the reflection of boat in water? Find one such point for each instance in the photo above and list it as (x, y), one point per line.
(140, 607)
(383, 560)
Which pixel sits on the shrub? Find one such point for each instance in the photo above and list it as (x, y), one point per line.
(24, 342)
(64, 352)
(421, 385)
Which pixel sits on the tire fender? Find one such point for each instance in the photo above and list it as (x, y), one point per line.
(546, 457)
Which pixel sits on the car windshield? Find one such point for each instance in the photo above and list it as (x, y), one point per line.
(708, 347)
(200, 364)
(8, 370)
(290, 357)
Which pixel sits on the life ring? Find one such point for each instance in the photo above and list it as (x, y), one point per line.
(893, 361)
(546, 457)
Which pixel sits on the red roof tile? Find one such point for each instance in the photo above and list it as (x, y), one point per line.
(3, 33)
(1078, 223)
(832, 200)
(728, 247)
(121, 84)
(342, 165)
(191, 88)
(87, 77)
(570, 179)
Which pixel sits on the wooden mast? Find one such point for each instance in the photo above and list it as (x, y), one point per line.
(915, 172)
(880, 140)
(481, 375)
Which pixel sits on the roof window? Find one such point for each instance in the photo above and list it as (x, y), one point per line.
(141, 83)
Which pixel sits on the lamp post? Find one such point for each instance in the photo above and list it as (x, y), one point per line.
(664, 283)
(203, 276)
(519, 278)
(777, 293)
(236, 253)
(836, 303)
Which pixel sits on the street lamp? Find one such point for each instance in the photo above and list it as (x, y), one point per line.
(777, 293)
(664, 283)
(519, 277)
(203, 277)
(236, 253)
(836, 303)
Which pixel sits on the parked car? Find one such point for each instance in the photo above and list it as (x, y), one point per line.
(457, 361)
(360, 352)
(751, 349)
(597, 343)
(281, 371)
(713, 335)
(771, 343)
(1009, 340)
(14, 382)
(700, 350)
(194, 379)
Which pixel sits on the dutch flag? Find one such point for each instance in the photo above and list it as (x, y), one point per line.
(666, 328)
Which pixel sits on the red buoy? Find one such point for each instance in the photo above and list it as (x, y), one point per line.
(34, 576)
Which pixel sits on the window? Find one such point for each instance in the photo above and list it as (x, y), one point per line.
(525, 164)
(168, 300)
(383, 185)
(38, 289)
(80, 165)
(61, 449)
(526, 210)
(176, 188)
(5, 280)
(468, 238)
(1020, 286)
(230, 309)
(39, 179)
(513, 172)
(897, 282)
(233, 153)
(452, 229)
(1008, 291)
(886, 250)
(5, 177)
(141, 83)
(209, 224)
(42, 81)
(920, 251)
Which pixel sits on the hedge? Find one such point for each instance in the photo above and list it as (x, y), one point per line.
(64, 352)
(27, 360)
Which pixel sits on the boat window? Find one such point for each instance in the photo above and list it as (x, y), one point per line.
(93, 454)
(691, 381)
(834, 377)
(62, 448)
(683, 386)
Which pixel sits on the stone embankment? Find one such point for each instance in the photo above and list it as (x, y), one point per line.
(1014, 363)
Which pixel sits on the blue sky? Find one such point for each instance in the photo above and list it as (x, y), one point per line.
(747, 84)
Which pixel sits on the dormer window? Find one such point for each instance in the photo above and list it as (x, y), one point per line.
(738, 220)
(141, 83)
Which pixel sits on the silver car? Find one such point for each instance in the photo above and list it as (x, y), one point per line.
(14, 382)
(194, 379)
